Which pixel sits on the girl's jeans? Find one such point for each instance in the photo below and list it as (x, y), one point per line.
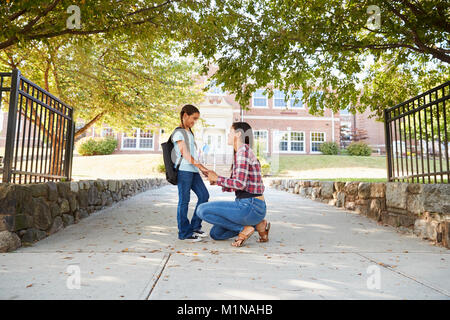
(188, 180)
(230, 217)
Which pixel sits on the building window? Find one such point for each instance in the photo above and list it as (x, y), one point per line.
(261, 140)
(279, 99)
(139, 139)
(108, 132)
(296, 95)
(317, 138)
(215, 90)
(129, 141)
(259, 99)
(292, 141)
(145, 139)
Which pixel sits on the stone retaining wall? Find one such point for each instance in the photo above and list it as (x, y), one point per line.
(423, 209)
(29, 213)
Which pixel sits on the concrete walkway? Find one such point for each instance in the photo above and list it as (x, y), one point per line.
(131, 251)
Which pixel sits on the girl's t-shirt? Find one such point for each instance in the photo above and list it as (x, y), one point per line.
(185, 165)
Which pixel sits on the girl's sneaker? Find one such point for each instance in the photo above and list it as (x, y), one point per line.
(194, 238)
(200, 234)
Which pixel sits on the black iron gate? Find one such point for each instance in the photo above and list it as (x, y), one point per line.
(40, 131)
(417, 138)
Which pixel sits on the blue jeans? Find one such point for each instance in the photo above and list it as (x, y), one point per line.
(188, 180)
(230, 217)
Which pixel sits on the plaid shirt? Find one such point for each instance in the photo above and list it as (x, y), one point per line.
(246, 173)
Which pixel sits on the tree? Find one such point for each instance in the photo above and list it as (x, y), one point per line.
(326, 46)
(27, 20)
(115, 81)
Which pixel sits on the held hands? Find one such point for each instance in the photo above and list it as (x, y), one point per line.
(212, 177)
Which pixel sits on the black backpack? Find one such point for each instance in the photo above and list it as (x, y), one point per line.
(167, 149)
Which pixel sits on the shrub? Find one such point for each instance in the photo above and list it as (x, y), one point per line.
(329, 148)
(359, 149)
(90, 146)
(265, 166)
(161, 168)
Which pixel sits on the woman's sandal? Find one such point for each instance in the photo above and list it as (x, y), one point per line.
(243, 236)
(263, 235)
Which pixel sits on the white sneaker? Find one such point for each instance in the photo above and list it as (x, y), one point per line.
(200, 233)
(194, 238)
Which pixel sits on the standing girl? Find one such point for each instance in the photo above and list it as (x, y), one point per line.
(246, 214)
(188, 175)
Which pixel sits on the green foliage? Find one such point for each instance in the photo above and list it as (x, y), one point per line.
(90, 146)
(265, 166)
(161, 168)
(329, 148)
(359, 149)
(325, 46)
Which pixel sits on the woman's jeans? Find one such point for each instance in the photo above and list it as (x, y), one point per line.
(188, 180)
(230, 217)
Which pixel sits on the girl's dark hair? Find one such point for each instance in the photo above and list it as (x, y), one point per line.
(189, 109)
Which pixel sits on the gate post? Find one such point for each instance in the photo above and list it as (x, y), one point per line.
(387, 137)
(11, 128)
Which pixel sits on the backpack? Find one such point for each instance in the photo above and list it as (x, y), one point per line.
(167, 149)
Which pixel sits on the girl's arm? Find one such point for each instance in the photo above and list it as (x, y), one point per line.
(187, 155)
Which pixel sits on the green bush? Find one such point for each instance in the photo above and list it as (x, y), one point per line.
(90, 146)
(161, 168)
(359, 149)
(329, 148)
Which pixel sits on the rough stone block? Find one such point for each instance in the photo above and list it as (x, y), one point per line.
(67, 219)
(65, 206)
(436, 198)
(56, 225)
(32, 235)
(52, 191)
(42, 216)
(377, 190)
(327, 189)
(364, 190)
(9, 241)
(339, 186)
(351, 188)
(396, 195)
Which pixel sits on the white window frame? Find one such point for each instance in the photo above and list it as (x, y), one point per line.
(281, 133)
(288, 102)
(267, 139)
(138, 141)
(114, 132)
(292, 101)
(260, 107)
(311, 142)
(214, 86)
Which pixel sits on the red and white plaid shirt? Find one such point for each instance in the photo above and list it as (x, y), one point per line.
(246, 174)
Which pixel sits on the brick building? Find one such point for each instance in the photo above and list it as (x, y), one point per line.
(279, 127)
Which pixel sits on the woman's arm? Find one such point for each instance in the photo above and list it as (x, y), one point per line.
(239, 181)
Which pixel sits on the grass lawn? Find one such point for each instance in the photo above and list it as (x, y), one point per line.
(116, 166)
(310, 162)
(328, 167)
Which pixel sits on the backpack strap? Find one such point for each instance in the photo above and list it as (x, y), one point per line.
(181, 155)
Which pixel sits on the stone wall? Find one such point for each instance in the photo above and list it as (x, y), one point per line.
(31, 212)
(423, 209)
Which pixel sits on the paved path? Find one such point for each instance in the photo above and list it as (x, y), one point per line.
(131, 251)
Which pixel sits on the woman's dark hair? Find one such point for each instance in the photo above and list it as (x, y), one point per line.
(246, 136)
(189, 109)
(246, 132)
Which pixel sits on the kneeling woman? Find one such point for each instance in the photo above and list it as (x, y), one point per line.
(240, 217)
